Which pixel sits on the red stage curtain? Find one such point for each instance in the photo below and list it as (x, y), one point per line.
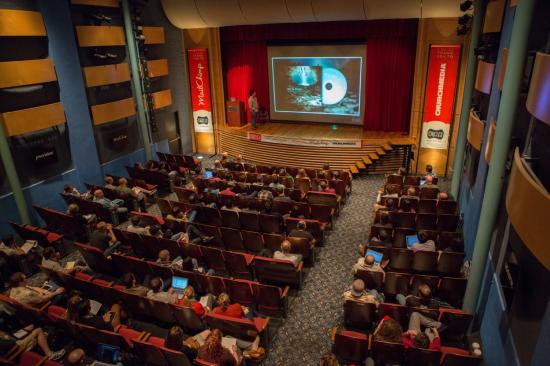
(391, 51)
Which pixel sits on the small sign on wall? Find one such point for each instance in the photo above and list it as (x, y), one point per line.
(200, 89)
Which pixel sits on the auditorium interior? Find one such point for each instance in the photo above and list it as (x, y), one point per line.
(274, 182)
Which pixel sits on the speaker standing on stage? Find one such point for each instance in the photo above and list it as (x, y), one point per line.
(254, 107)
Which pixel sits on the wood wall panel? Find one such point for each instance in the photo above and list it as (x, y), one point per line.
(538, 99)
(162, 98)
(106, 75)
(475, 131)
(105, 3)
(484, 77)
(27, 72)
(528, 207)
(97, 36)
(494, 16)
(154, 35)
(502, 69)
(21, 23)
(33, 119)
(103, 113)
(157, 68)
(490, 138)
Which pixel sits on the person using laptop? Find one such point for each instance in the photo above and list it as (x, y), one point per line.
(186, 263)
(423, 244)
(368, 263)
(156, 292)
(423, 298)
(359, 293)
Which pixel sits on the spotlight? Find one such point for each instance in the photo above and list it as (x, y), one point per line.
(465, 19)
(466, 5)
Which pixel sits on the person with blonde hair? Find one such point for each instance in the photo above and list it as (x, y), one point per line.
(213, 351)
(329, 359)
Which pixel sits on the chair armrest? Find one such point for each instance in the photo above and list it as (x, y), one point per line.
(285, 292)
(266, 323)
(300, 266)
(44, 306)
(116, 329)
(332, 211)
(333, 333)
(144, 335)
(14, 353)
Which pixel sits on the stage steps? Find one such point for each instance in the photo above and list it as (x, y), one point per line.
(372, 158)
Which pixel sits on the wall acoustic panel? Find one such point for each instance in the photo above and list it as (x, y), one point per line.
(157, 68)
(538, 99)
(502, 69)
(490, 138)
(33, 119)
(528, 207)
(153, 35)
(162, 99)
(493, 16)
(28, 72)
(105, 3)
(103, 113)
(21, 23)
(97, 36)
(475, 130)
(484, 76)
(106, 75)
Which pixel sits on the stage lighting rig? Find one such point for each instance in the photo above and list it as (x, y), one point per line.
(465, 19)
(466, 5)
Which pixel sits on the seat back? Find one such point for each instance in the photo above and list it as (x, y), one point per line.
(211, 216)
(300, 246)
(417, 280)
(428, 192)
(359, 315)
(149, 354)
(388, 353)
(452, 289)
(188, 319)
(457, 324)
(451, 359)
(446, 207)
(237, 327)
(95, 258)
(322, 213)
(240, 291)
(427, 206)
(403, 219)
(250, 221)
(273, 271)
(270, 223)
(426, 221)
(401, 259)
(422, 357)
(96, 336)
(447, 222)
(273, 241)
(175, 358)
(424, 262)
(450, 263)
(412, 180)
(230, 219)
(322, 198)
(214, 259)
(394, 179)
(268, 298)
(252, 241)
(123, 264)
(396, 283)
(372, 280)
(237, 264)
(351, 347)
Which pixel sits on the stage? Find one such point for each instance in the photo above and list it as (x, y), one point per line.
(291, 144)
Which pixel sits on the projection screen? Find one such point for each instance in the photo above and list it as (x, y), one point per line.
(317, 83)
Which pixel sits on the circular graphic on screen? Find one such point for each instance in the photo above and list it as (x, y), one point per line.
(334, 86)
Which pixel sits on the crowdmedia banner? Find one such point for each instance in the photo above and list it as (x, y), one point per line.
(440, 96)
(200, 89)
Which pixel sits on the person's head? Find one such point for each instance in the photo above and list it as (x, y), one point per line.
(178, 213)
(189, 292)
(411, 191)
(168, 233)
(321, 175)
(213, 345)
(109, 180)
(301, 225)
(77, 307)
(252, 93)
(384, 218)
(429, 179)
(389, 331)
(421, 340)
(123, 182)
(174, 338)
(301, 173)
(280, 191)
(217, 163)
(329, 359)
(18, 279)
(68, 188)
(283, 172)
(390, 203)
(225, 155)
(223, 300)
(369, 260)
(429, 168)
(156, 284)
(383, 235)
(164, 255)
(424, 291)
(51, 253)
(98, 193)
(443, 196)
(138, 165)
(128, 280)
(73, 209)
(326, 166)
(77, 357)
(323, 185)
(402, 171)
(286, 247)
(406, 205)
(101, 226)
(154, 230)
(357, 288)
(422, 236)
(239, 158)
(335, 175)
(134, 220)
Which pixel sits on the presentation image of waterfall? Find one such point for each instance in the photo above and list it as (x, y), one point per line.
(319, 85)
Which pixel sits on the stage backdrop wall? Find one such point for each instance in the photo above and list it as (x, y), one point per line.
(391, 51)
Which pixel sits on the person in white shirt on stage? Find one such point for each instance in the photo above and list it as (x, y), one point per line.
(254, 107)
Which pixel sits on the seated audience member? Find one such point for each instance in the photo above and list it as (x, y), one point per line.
(189, 300)
(79, 310)
(456, 246)
(281, 197)
(265, 194)
(442, 196)
(156, 292)
(383, 239)
(301, 232)
(423, 244)
(249, 206)
(323, 187)
(385, 220)
(71, 190)
(109, 182)
(52, 260)
(285, 254)
(329, 359)
(358, 293)
(275, 184)
(229, 206)
(213, 351)
(186, 263)
(136, 194)
(411, 194)
(29, 295)
(406, 206)
(77, 357)
(423, 298)
(326, 171)
(228, 192)
(429, 172)
(114, 205)
(34, 337)
(212, 188)
(218, 166)
(401, 171)
(10, 254)
(73, 210)
(134, 227)
(131, 286)
(103, 238)
(388, 330)
(283, 174)
(429, 182)
(414, 337)
(225, 158)
(224, 307)
(367, 264)
(175, 340)
(156, 231)
(302, 174)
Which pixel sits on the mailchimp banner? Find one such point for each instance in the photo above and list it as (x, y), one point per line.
(440, 96)
(200, 89)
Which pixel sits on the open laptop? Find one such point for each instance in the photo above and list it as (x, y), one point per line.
(377, 255)
(107, 355)
(411, 240)
(208, 174)
(179, 284)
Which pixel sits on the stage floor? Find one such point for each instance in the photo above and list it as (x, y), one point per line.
(323, 131)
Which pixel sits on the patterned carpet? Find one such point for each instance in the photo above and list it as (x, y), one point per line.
(305, 334)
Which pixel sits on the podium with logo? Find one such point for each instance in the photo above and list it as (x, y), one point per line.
(236, 113)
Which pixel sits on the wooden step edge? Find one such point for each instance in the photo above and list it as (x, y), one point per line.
(353, 169)
(360, 165)
(387, 146)
(380, 151)
(366, 160)
(374, 156)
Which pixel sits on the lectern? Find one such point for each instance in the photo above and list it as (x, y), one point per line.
(236, 113)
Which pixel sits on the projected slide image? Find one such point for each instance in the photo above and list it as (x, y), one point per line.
(317, 85)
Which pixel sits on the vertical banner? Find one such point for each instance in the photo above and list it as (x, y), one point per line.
(440, 96)
(200, 89)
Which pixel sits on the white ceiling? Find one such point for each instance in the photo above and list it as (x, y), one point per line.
(217, 13)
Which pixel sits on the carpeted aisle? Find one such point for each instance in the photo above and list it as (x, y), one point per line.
(305, 334)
